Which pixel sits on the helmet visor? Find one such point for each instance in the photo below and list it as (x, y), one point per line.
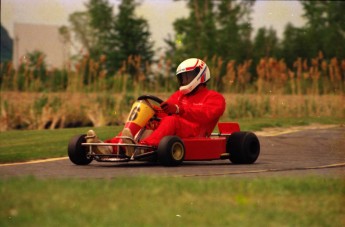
(186, 77)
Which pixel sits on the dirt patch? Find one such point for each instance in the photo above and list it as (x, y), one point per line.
(275, 131)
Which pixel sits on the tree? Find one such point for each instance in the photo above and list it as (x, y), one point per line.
(294, 44)
(91, 27)
(129, 36)
(234, 29)
(213, 28)
(101, 18)
(195, 35)
(324, 31)
(265, 44)
(325, 28)
(118, 37)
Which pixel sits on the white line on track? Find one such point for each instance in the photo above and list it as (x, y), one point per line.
(34, 162)
(266, 170)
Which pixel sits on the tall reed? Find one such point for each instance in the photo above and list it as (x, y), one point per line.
(83, 93)
(307, 76)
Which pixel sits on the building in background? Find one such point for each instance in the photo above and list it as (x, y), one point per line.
(6, 46)
(43, 38)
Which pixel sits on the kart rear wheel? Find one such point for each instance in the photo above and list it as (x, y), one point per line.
(171, 151)
(77, 152)
(243, 147)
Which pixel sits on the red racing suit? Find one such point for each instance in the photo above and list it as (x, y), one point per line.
(200, 112)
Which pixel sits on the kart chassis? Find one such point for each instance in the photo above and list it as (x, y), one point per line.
(230, 143)
(138, 153)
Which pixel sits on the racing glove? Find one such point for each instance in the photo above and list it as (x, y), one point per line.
(171, 108)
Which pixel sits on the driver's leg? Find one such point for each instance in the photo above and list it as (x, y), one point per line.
(129, 150)
(91, 137)
(169, 126)
(145, 134)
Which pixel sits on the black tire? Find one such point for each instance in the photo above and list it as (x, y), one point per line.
(171, 151)
(243, 147)
(77, 152)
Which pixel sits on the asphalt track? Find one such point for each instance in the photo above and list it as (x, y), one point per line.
(296, 152)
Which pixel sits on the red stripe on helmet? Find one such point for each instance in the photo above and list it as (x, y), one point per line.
(193, 67)
(203, 78)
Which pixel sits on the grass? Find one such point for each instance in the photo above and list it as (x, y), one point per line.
(162, 201)
(25, 145)
(149, 201)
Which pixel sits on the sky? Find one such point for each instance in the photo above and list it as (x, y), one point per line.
(160, 14)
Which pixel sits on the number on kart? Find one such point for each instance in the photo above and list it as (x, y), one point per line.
(134, 113)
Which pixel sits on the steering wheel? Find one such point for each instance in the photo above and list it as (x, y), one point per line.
(155, 99)
(150, 97)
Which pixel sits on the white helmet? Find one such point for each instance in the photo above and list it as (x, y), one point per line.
(202, 74)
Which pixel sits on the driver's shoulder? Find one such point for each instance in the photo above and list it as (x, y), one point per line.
(213, 93)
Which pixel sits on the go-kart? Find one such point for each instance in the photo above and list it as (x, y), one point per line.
(229, 143)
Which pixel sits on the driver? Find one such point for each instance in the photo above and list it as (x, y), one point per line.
(192, 111)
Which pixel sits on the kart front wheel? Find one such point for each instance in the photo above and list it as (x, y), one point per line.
(243, 147)
(78, 153)
(171, 151)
